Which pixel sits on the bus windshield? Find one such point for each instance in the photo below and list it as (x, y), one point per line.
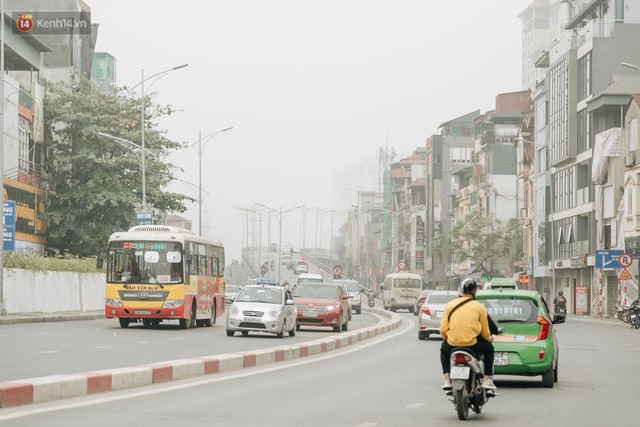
(144, 262)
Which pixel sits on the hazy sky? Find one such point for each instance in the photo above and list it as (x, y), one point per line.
(307, 85)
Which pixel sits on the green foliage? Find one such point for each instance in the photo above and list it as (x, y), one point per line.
(58, 263)
(95, 181)
(482, 240)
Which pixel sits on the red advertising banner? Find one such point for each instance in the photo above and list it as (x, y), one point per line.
(582, 300)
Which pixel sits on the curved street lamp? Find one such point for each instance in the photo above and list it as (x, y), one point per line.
(201, 145)
(142, 95)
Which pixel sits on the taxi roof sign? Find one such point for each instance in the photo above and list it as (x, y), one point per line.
(266, 281)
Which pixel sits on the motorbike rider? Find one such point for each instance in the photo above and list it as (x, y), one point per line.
(465, 323)
(560, 302)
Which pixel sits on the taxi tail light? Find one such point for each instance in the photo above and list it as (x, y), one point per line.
(541, 354)
(544, 328)
(425, 309)
(460, 358)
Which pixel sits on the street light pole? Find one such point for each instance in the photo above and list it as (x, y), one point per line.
(200, 147)
(143, 161)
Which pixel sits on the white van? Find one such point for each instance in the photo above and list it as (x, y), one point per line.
(310, 278)
(401, 291)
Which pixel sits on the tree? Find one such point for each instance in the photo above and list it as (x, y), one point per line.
(95, 182)
(483, 240)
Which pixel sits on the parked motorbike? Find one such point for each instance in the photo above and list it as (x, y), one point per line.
(466, 382)
(634, 317)
(623, 312)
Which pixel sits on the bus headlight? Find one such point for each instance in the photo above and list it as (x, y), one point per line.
(115, 302)
(172, 303)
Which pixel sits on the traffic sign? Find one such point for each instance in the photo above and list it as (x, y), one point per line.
(608, 258)
(625, 260)
(402, 265)
(337, 270)
(625, 275)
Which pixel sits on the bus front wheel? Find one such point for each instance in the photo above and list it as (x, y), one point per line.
(124, 323)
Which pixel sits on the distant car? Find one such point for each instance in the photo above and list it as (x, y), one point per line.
(285, 259)
(354, 290)
(310, 278)
(501, 282)
(529, 344)
(301, 267)
(230, 292)
(421, 297)
(263, 308)
(431, 312)
(322, 304)
(291, 264)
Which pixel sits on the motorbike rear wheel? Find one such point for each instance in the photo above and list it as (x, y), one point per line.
(462, 403)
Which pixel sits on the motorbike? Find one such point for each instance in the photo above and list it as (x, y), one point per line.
(466, 376)
(623, 312)
(372, 301)
(560, 310)
(560, 315)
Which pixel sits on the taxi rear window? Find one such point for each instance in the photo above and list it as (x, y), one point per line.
(511, 310)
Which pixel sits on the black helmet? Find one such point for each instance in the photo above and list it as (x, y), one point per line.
(560, 293)
(467, 286)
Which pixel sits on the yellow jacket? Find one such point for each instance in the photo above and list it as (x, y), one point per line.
(467, 322)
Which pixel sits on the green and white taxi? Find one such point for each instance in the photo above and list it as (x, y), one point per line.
(529, 345)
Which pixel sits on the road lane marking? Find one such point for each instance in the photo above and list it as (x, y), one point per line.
(50, 351)
(415, 405)
(410, 326)
(143, 342)
(367, 425)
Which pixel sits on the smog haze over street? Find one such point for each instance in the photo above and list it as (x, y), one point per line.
(308, 87)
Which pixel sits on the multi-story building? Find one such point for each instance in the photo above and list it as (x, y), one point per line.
(596, 38)
(447, 153)
(535, 40)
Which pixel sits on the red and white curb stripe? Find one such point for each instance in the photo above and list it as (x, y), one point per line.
(43, 389)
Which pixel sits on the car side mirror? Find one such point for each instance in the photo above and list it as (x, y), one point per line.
(345, 296)
(290, 302)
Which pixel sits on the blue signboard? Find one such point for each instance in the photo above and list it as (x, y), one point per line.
(9, 213)
(144, 218)
(9, 226)
(608, 258)
(8, 239)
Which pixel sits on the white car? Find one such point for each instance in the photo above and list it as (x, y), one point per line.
(263, 308)
(431, 312)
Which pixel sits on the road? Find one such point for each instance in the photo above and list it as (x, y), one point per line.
(42, 349)
(392, 380)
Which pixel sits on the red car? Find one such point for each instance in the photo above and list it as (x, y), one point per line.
(322, 304)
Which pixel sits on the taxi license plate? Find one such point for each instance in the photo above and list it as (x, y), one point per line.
(253, 319)
(309, 314)
(143, 312)
(501, 359)
(459, 372)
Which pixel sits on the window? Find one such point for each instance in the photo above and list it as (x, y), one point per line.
(24, 134)
(633, 134)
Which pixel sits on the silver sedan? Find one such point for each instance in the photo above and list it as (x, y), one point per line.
(263, 308)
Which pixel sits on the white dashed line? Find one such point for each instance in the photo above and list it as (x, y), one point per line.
(142, 342)
(50, 351)
(367, 425)
(415, 405)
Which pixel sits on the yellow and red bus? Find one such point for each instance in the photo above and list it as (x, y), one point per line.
(158, 272)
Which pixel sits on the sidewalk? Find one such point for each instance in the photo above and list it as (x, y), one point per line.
(606, 320)
(62, 316)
